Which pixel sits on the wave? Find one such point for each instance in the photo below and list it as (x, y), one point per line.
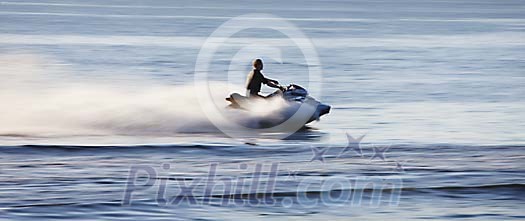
(313, 193)
(514, 186)
(298, 19)
(158, 146)
(490, 39)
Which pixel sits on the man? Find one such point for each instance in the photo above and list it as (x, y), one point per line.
(255, 79)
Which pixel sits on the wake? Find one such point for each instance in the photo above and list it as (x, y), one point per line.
(41, 97)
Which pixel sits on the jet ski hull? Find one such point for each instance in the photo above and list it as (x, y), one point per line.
(294, 97)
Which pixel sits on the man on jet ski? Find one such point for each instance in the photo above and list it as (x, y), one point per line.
(255, 79)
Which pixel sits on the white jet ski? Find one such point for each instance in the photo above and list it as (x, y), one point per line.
(295, 98)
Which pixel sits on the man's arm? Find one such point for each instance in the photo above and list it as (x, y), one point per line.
(271, 83)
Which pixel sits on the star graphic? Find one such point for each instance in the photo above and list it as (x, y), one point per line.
(380, 152)
(292, 175)
(318, 153)
(399, 166)
(353, 144)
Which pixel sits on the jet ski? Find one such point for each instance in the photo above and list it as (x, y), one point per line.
(294, 97)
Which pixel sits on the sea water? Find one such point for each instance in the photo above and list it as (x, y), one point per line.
(92, 92)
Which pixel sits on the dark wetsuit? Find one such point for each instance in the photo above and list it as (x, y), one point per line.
(254, 81)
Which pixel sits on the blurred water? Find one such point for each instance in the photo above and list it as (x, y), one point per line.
(441, 81)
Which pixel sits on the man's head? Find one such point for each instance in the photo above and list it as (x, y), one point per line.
(257, 64)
